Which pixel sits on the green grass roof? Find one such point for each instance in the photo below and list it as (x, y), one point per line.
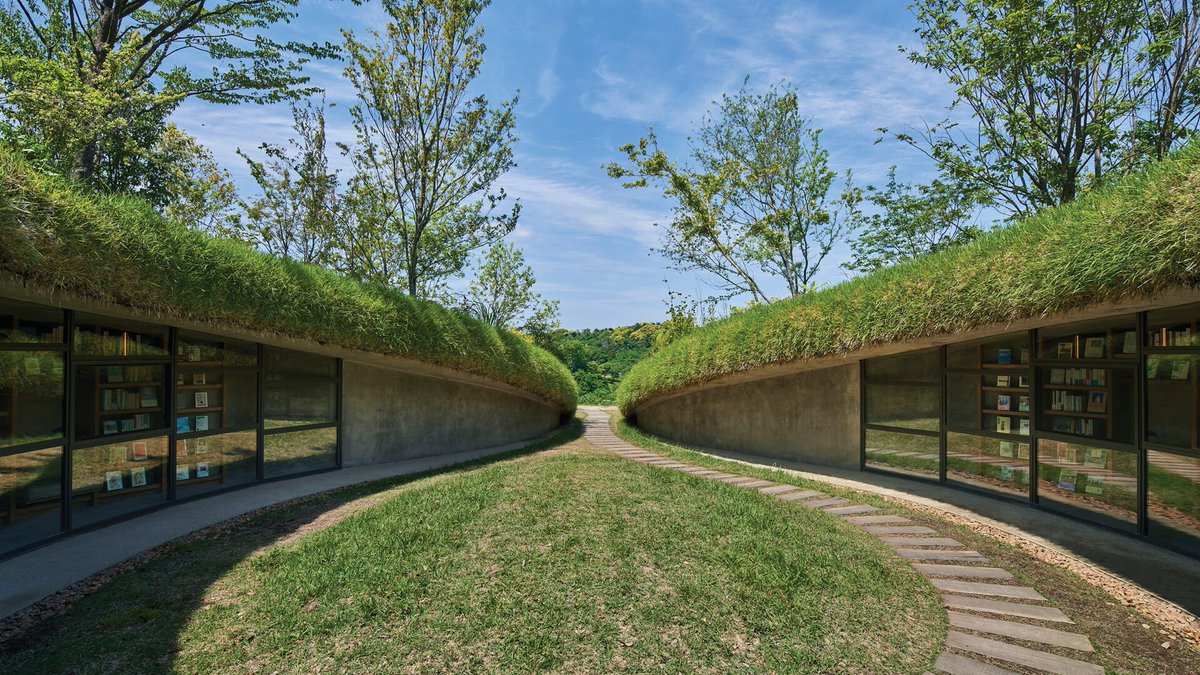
(1130, 240)
(119, 250)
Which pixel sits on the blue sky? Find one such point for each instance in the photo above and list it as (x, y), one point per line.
(593, 75)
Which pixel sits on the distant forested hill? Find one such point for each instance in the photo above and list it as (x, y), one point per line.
(599, 357)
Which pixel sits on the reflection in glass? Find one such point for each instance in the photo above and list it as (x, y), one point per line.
(988, 463)
(30, 488)
(1099, 484)
(1100, 339)
(204, 352)
(1001, 352)
(909, 407)
(1173, 499)
(31, 397)
(215, 462)
(102, 336)
(906, 453)
(1171, 403)
(118, 400)
(300, 451)
(25, 323)
(281, 364)
(296, 403)
(1089, 402)
(112, 480)
(921, 366)
(1175, 327)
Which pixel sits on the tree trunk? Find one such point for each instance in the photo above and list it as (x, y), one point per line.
(84, 168)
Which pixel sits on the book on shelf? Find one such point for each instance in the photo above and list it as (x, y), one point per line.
(1096, 402)
(1179, 337)
(183, 472)
(1023, 382)
(1130, 343)
(1067, 479)
(1003, 402)
(114, 480)
(199, 378)
(201, 422)
(137, 476)
(127, 425)
(1008, 449)
(1066, 350)
(1096, 458)
(1024, 355)
(1093, 348)
(140, 451)
(201, 469)
(1004, 356)
(1179, 370)
(183, 425)
(149, 396)
(1023, 404)
(1002, 380)
(201, 399)
(1058, 376)
(1094, 485)
(1023, 427)
(1003, 424)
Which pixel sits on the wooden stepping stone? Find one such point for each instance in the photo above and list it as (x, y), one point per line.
(879, 520)
(1007, 608)
(940, 554)
(962, 571)
(851, 510)
(803, 494)
(921, 541)
(721, 476)
(777, 489)
(736, 480)
(899, 529)
(1024, 656)
(955, 664)
(980, 588)
(820, 503)
(754, 485)
(1021, 631)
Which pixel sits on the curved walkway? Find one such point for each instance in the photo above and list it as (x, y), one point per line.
(976, 595)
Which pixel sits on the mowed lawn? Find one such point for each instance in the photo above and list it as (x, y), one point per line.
(568, 559)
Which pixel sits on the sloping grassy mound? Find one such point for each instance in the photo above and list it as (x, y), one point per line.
(119, 250)
(1129, 240)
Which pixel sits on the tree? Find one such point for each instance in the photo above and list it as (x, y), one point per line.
(77, 72)
(297, 212)
(914, 220)
(502, 293)
(202, 194)
(757, 201)
(1062, 94)
(426, 156)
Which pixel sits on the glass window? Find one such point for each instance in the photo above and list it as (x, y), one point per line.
(1171, 400)
(988, 463)
(990, 402)
(1173, 499)
(1175, 327)
(300, 451)
(208, 353)
(31, 397)
(1099, 484)
(1103, 339)
(910, 407)
(111, 480)
(906, 453)
(923, 366)
(213, 462)
(287, 364)
(102, 336)
(25, 323)
(294, 403)
(1005, 352)
(30, 491)
(117, 399)
(1089, 402)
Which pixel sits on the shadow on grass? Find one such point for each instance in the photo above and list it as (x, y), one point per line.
(133, 622)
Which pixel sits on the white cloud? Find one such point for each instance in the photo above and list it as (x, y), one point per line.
(618, 96)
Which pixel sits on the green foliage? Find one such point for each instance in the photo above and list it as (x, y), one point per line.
(502, 293)
(296, 213)
(1132, 239)
(426, 155)
(914, 220)
(756, 201)
(1063, 96)
(598, 358)
(118, 250)
(93, 82)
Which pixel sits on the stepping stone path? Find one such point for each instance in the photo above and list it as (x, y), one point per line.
(974, 593)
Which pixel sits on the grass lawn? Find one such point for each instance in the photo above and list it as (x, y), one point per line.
(569, 560)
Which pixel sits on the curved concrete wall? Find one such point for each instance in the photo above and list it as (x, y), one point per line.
(389, 415)
(811, 416)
